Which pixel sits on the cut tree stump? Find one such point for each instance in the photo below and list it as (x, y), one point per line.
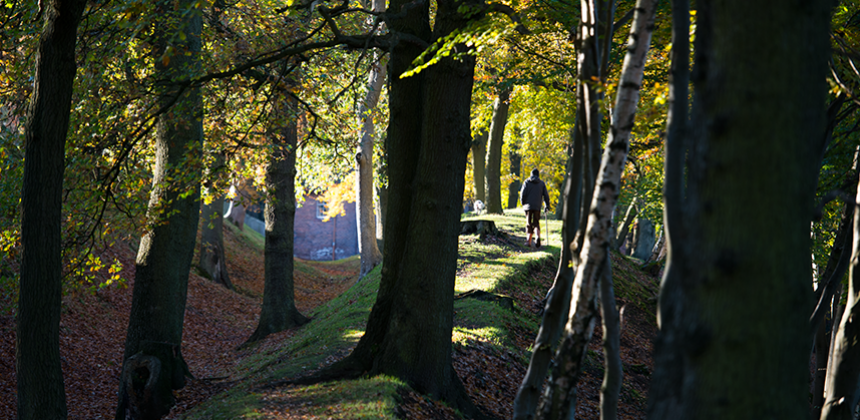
(505, 302)
(479, 227)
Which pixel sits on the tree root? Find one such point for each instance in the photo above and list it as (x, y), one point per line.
(347, 368)
(505, 302)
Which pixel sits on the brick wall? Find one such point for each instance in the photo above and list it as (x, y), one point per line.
(318, 240)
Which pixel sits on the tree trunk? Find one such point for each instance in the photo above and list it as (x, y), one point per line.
(41, 394)
(211, 257)
(719, 345)
(613, 371)
(643, 239)
(382, 192)
(629, 216)
(658, 248)
(279, 311)
(837, 263)
(837, 310)
(821, 350)
(514, 187)
(382, 197)
(494, 151)
(479, 164)
(367, 246)
(842, 384)
(558, 298)
(829, 283)
(568, 169)
(560, 399)
(664, 400)
(164, 257)
(408, 333)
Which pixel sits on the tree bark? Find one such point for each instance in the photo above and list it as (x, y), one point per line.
(830, 285)
(568, 170)
(629, 216)
(279, 311)
(719, 346)
(41, 394)
(165, 252)
(665, 398)
(843, 377)
(211, 257)
(494, 151)
(613, 371)
(821, 350)
(559, 400)
(382, 196)
(479, 165)
(837, 310)
(408, 333)
(558, 298)
(367, 246)
(514, 187)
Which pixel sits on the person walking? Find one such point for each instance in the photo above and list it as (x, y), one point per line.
(531, 194)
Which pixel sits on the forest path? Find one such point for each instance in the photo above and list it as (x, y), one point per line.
(491, 344)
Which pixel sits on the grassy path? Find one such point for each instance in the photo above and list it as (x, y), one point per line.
(491, 342)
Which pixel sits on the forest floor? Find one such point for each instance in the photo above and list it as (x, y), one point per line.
(491, 343)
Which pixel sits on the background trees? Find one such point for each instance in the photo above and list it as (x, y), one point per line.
(116, 104)
(165, 252)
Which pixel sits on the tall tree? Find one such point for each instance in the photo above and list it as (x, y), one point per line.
(578, 191)
(409, 330)
(752, 151)
(831, 281)
(369, 250)
(559, 401)
(211, 257)
(514, 187)
(479, 164)
(558, 297)
(41, 394)
(164, 256)
(494, 150)
(279, 305)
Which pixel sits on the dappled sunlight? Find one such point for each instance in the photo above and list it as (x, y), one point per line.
(352, 336)
(465, 335)
(368, 398)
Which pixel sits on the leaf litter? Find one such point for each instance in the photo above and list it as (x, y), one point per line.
(218, 321)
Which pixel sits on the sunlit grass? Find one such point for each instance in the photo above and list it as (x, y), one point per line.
(340, 323)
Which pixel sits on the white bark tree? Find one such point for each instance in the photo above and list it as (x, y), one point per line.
(559, 400)
(366, 221)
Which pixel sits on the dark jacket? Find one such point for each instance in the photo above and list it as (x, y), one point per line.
(532, 192)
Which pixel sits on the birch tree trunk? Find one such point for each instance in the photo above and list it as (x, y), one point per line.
(558, 298)
(559, 402)
(367, 246)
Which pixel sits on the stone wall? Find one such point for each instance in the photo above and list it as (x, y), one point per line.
(318, 240)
